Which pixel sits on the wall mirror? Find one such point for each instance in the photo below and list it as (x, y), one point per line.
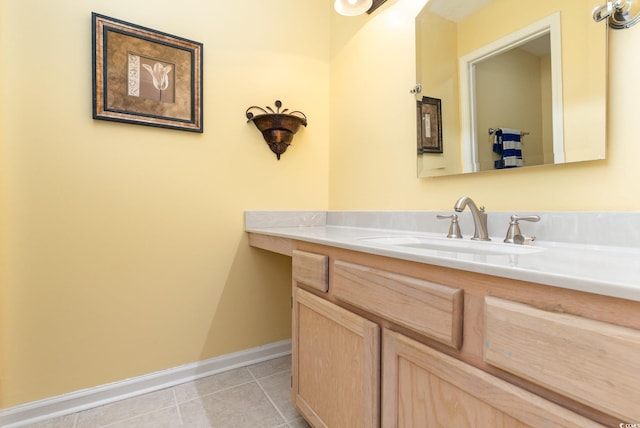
(532, 67)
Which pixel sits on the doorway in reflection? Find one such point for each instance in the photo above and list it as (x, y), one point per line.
(514, 89)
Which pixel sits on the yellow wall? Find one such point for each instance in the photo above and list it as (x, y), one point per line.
(510, 87)
(372, 152)
(126, 250)
(2, 206)
(437, 71)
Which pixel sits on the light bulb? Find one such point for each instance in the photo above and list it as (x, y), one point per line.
(352, 7)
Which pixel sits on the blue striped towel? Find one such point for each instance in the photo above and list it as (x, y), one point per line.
(508, 145)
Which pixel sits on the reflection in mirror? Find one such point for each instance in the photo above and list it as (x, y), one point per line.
(517, 81)
(515, 88)
(511, 74)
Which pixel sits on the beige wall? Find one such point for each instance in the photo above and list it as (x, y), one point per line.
(373, 135)
(126, 250)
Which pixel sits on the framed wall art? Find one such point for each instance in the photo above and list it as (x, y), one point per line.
(429, 122)
(145, 77)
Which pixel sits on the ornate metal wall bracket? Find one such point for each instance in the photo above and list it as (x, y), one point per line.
(277, 127)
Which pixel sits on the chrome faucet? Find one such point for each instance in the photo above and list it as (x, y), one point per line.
(479, 218)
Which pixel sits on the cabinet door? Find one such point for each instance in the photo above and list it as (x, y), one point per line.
(422, 387)
(335, 364)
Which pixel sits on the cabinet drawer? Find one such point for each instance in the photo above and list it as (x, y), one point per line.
(311, 269)
(592, 362)
(433, 310)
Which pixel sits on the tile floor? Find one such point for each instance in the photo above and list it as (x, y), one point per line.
(251, 397)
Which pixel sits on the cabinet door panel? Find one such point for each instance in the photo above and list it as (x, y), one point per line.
(426, 397)
(593, 362)
(335, 363)
(422, 387)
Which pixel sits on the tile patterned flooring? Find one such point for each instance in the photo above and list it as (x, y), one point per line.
(251, 397)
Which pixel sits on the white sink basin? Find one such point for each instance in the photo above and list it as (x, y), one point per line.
(489, 248)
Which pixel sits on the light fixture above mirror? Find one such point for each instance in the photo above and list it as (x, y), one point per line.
(621, 14)
(356, 7)
(352, 7)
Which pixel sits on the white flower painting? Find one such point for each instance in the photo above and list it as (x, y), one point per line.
(154, 84)
(160, 75)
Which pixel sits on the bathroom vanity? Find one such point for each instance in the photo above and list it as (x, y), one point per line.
(390, 333)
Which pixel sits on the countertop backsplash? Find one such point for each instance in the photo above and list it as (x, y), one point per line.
(621, 229)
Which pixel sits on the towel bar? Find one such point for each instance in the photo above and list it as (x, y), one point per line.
(492, 131)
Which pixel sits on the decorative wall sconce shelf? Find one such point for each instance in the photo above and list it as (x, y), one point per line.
(277, 127)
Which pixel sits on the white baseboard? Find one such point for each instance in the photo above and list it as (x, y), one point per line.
(104, 394)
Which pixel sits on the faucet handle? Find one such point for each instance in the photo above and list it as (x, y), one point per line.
(534, 218)
(454, 227)
(514, 227)
(523, 240)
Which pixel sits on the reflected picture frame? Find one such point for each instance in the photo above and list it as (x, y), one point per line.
(429, 121)
(145, 77)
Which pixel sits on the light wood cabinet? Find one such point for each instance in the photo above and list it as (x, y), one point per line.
(336, 364)
(311, 269)
(458, 349)
(434, 310)
(593, 362)
(425, 388)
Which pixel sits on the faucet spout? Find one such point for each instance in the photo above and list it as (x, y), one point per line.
(481, 232)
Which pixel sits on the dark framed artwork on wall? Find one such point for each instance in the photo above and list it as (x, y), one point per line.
(429, 122)
(145, 77)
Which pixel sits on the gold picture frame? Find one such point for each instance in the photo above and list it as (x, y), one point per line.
(145, 77)
(429, 122)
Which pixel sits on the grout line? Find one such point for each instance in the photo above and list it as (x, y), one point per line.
(216, 391)
(284, 418)
(135, 417)
(175, 400)
(132, 417)
(269, 375)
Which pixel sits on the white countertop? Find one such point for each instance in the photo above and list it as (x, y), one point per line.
(611, 270)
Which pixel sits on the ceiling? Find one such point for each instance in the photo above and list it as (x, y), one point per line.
(456, 10)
